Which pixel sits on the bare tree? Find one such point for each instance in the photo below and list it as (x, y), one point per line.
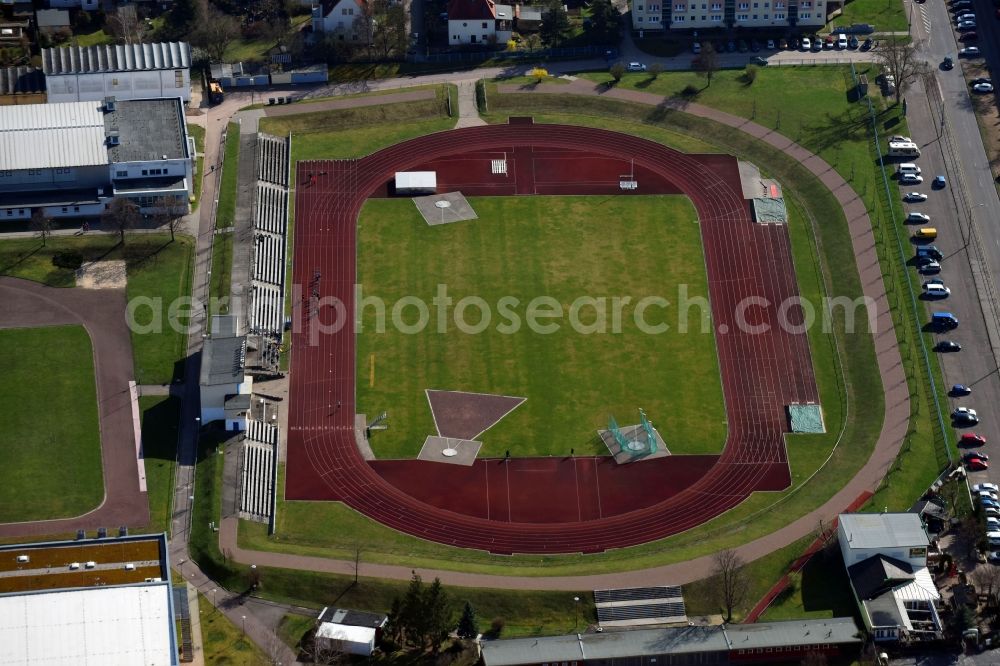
(126, 25)
(731, 582)
(41, 224)
(165, 215)
(121, 215)
(706, 64)
(617, 71)
(215, 32)
(986, 579)
(899, 60)
(382, 26)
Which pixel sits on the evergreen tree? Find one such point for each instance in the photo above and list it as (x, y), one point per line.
(468, 628)
(555, 24)
(393, 627)
(182, 15)
(437, 614)
(605, 22)
(412, 613)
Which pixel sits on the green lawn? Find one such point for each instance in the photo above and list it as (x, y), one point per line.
(573, 377)
(225, 212)
(158, 269)
(48, 405)
(885, 15)
(223, 641)
(820, 590)
(198, 133)
(160, 418)
(256, 49)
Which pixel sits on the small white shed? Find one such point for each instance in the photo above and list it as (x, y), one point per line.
(416, 182)
(346, 638)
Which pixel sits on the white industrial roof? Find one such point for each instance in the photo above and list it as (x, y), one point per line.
(347, 633)
(39, 136)
(883, 530)
(106, 626)
(406, 180)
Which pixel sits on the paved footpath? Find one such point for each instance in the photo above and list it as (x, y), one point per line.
(894, 426)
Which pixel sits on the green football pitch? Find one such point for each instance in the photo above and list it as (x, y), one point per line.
(51, 441)
(622, 280)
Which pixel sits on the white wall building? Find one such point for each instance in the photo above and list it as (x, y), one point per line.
(686, 15)
(900, 536)
(343, 18)
(479, 22)
(225, 388)
(123, 71)
(72, 159)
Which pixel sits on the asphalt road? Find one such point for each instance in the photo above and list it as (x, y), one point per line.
(943, 123)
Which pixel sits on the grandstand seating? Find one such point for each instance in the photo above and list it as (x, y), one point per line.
(270, 223)
(257, 471)
(272, 159)
(665, 612)
(637, 593)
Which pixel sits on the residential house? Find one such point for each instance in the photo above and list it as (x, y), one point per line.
(343, 18)
(12, 32)
(349, 631)
(479, 22)
(527, 19)
(52, 20)
(886, 559)
(728, 14)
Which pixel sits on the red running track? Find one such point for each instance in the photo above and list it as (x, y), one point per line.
(762, 372)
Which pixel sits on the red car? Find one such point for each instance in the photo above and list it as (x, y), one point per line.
(972, 439)
(977, 464)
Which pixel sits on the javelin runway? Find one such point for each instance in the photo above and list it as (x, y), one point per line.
(762, 372)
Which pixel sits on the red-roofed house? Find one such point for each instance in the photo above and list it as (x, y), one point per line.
(479, 22)
(345, 18)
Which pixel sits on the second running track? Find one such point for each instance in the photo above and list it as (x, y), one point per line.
(764, 366)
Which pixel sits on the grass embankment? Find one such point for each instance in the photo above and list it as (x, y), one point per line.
(574, 368)
(48, 407)
(197, 132)
(317, 123)
(160, 418)
(225, 211)
(159, 271)
(886, 16)
(220, 286)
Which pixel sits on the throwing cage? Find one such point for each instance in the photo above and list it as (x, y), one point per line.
(639, 440)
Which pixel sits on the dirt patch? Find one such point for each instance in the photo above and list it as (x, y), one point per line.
(101, 275)
(463, 415)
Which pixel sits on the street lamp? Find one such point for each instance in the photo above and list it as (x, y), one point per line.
(213, 596)
(244, 625)
(576, 606)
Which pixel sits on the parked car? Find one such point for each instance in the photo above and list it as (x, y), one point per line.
(991, 487)
(983, 88)
(730, 46)
(948, 346)
(828, 42)
(743, 48)
(930, 267)
(978, 465)
(972, 439)
(867, 44)
(959, 390)
(969, 52)
(965, 16)
(939, 182)
(841, 41)
(987, 500)
(754, 45)
(910, 179)
(947, 63)
(918, 218)
(636, 67)
(806, 44)
(991, 511)
(993, 557)
(770, 44)
(696, 48)
(936, 289)
(759, 60)
(852, 42)
(915, 196)
(969, 37)
(817, 45)
(975, 454)
(981, 79)
(931, 251)
(965, 415)
(782, 43)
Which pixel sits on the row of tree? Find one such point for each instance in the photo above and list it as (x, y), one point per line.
(121, 215)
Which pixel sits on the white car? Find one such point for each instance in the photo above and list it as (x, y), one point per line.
(968, 52)
(967, 26)
(936, 289)
(983, 88)
(636, 67)
(965, 16)
(805, 45)
(930, 267)
(841, 41)
(915, 196)
(770, 45)
(910, 179)
(991, 511)
(989, 487)
(918, 218)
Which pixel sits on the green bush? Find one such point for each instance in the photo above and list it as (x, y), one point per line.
(71, 260)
